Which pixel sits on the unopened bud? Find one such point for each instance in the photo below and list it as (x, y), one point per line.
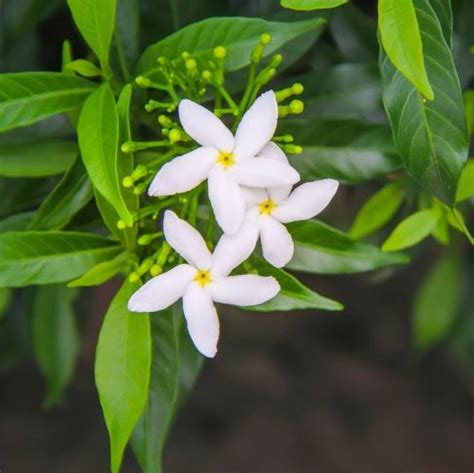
(191, 64)
(175, 135)
(267, 75)
(293, 149)
(206, 75)
(140, 188)
(134, 277)
(220, 52)
(143, 81)
(139, 172)
(185, 55)
(145, 239)
(265, 38)
(121, 225)
(296, 107)
(297, 88)
(127, 181)
(155, 270)
(276, 60)
(128, 147)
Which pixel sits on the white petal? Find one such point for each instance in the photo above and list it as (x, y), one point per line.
(257, 126)
(264, 172)
(226, 199)
(204, 127)
(163, 290)
(183, 173)
(248, 289)
(277, 244)
(202, 320)
(186, 241)
(232, 250)
(253, 195)
(306, 201)
(273, 151)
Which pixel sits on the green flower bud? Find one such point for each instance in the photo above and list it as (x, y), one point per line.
(134, 277)
(220, 52)
(190, 64)
(296, 107)
(206, 75)
(139, 172)
(293, 149)
(140, 189)
(155, 270)
(185, 55)
(265, 38)
(175, 135)
(121, 225)
(297, 88)
(128, 147)
(127, 181)
(276, 60)
(142, 81)
(145, 239)
(162, 60)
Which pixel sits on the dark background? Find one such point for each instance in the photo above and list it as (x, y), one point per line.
(299, 392)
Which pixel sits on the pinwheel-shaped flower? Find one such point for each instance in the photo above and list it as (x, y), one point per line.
(201, 282)
(268, 211)
(227, 162)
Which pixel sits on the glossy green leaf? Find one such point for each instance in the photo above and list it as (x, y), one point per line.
(444, 14)
(96, 21)
(346, 150)
(466, 183)
(175, 366)
(27, 97)
(16, 222)
(311, 4)
(36, 158)
(48, 257)
(84, 68)
(293, 294)
(102, 272)
(126, 42)
(70, 195)
(98, 133)
(122, 370)
(320, 248)
(469, 107)
(411, 230)
(55, 338)
(430, 136)
(378, 210)
(401, 39)
(238, 35)
(437, 302)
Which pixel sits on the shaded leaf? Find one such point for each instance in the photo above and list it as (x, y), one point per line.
(466, 183)
(320, 248)
(311, 4)
(122, 370)
(55, 338)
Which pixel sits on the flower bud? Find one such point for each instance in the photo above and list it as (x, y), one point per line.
(155, 270)
(121, 225)
(297, 88)
(175, 135)
(139, 172)
(190, 64)
(266, 75)
(127, 181)
(133, 277)
(185, 55)
(143, 81)
(140, 188)
(162, 60)
(220, 52)
(128, 147)
(276, 60)
(296, 107)
(293, 149)
(206, 75)
(265, 38)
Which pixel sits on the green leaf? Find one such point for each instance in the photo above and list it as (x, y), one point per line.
(469, 107)
(238, 35)
(320, 248)
(55, 338)
(411, 230)
(311, 4)
(293, 294)
(70, 195)
(98, 133)
(36, 158)
(430, 136)
(102, 272)
(378, 210)
(437, 302)
(346, 150)
(444, 13)
(122, 370)
(84, 68)
(16, 222)
(47, 257)
(27, 97)
(175, 366)
(96, 21)
(126, 42)
(5, 299)
(401, 39)
(466, 182)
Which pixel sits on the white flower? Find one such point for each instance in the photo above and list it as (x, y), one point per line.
(269, 209)
(201, 282)
(226, 161)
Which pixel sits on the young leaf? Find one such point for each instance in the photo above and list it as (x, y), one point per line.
(96, 21)
(311, 4)
(466, 183)
(98, 133)
(238, 35)
(346, 150)
(55, 338)
(122, 370)
(412, 230)
(437, 301)
(84, 68)
(430, 136)
(378, 210)
(37, 158)
(70, 195)
(47, 257)
(27, 97)
(322, 249)
(175, 366)
(401, 39)
(293, 294)
(101, 272)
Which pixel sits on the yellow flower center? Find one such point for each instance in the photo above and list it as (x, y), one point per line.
(203, 277)
(267, 207)
(226, 159)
